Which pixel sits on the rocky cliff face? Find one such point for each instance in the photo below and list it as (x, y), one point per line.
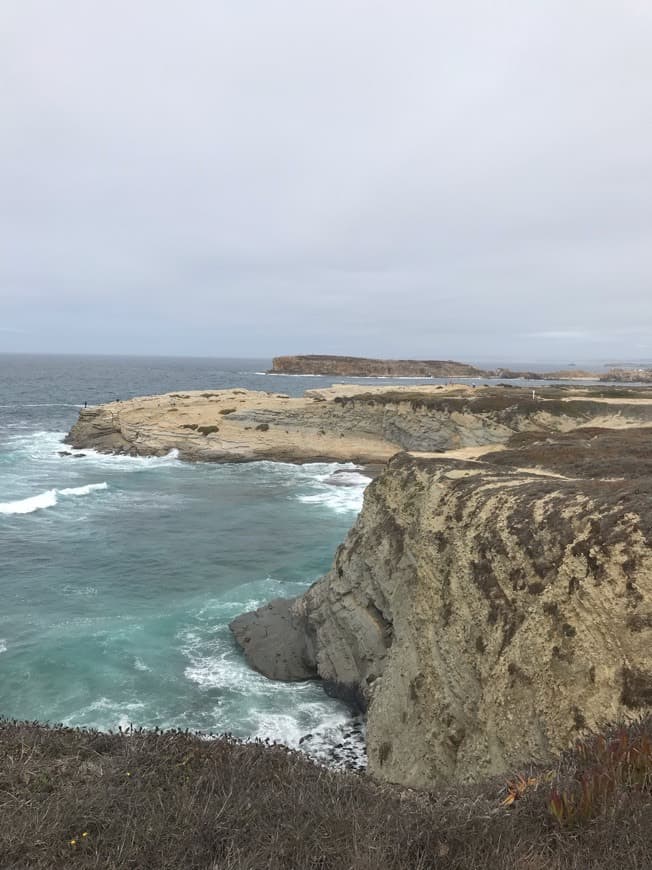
(488, 611)
(352, 366)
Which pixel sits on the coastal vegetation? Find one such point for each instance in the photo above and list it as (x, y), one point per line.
(150, 800)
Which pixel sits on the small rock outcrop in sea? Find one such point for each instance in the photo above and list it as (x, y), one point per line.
(276, 630)
(488, 611)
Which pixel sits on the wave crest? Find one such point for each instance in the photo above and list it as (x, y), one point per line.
(47, 499)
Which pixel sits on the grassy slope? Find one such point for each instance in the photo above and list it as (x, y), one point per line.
(172, 800)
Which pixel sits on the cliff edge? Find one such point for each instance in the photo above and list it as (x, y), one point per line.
(486, 611)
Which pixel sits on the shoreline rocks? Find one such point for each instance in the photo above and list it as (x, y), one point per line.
(275, 641)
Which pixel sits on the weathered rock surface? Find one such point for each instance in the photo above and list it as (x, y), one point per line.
(354, 366)
(275, 641)
(342, 423)
(490, 610)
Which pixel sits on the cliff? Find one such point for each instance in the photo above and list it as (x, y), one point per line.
(342, 423)
(486, 611)
(352, 366)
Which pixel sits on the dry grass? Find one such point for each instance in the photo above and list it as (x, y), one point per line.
(83, 799)
(589, 453)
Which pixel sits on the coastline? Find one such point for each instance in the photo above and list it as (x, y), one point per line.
(366, 425)
(316, 365)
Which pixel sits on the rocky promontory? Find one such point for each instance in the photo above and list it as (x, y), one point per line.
(342, 423)
(486, 611)
(360, 367)
(356, 367)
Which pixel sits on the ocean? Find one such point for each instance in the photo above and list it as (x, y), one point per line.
(119, 575)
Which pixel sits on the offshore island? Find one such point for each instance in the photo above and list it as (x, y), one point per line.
(352, 366)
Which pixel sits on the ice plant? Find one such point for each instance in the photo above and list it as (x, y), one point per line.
(605, 766)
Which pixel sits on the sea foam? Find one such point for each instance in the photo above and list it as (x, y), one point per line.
(29, 505)
(339, 487)
(83, 490)
(47, 499)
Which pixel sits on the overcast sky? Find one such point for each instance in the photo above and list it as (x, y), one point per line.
(465, 179)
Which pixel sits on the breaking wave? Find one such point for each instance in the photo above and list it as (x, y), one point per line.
(340, 488)
(47, 499)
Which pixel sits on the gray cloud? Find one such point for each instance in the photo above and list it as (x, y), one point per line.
(467, 179)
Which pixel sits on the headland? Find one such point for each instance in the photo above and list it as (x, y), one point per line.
(350, 366)
(345, 423)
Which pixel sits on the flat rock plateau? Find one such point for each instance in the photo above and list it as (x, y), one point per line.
(494, 597)
(344, 423)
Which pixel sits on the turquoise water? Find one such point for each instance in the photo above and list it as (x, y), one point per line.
(119, 575)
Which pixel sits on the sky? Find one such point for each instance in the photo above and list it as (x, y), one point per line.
(467, 180)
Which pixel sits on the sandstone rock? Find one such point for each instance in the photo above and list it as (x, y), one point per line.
(275, 641)
(342, 423)
(490, 611)
(352, 366)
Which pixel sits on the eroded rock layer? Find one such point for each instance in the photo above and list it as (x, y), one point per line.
(342, 423)
(488, 611)
(355, 366)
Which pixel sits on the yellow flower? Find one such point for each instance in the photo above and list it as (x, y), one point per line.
(85, 834)
(73, 842)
